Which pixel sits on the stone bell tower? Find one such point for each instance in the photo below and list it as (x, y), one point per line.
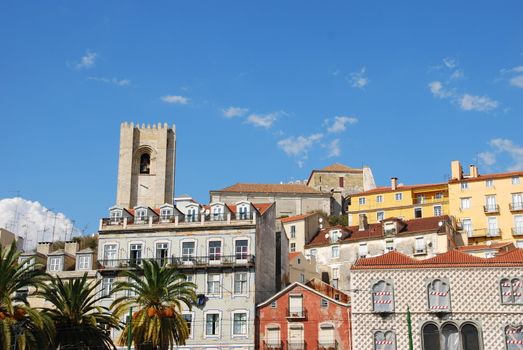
(146, 165)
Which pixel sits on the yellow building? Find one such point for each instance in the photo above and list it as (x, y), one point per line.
(404, 202)
(489, 207)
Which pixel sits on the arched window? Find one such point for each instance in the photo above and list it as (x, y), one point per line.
(431, 337)
(383, 297)
(511, 291)
(469, 337)
(384, 340)
(450, 336)
(439, 296)
(514, 336)
(145, 163)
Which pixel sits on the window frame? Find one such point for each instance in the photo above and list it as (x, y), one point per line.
(459, 324)
(510, 280)
(240, 335)
(220, 321)
(438, 309)
(384, 331)
(219, 282)
(392, 296)
(191, 331)
(246, 281)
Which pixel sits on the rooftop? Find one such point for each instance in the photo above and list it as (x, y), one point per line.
(482, 177)
(269, 188)
(296, 217)
(385, 189)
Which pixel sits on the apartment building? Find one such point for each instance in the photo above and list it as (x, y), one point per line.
(301, 269)
(305, 316)
(300, 229)
(400, 201)
(489, 207)
(455, 300)
(335, 249)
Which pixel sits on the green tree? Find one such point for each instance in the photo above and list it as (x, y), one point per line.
(21, 327)
(80, 320)
(159, 293)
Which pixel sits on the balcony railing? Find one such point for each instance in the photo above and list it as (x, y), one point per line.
(430, 200)
(492, 232)
(297, 313)
(181, 262)
(517, 231)
(491, 208)
(296, 345)
(272, 345)
(327, 345)
(516, 206)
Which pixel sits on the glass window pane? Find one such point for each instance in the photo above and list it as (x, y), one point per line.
(431, 337)
(450, 337)
(470, 337)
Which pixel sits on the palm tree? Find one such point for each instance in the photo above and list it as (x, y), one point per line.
(159, 295)
(81, 322)
(21, 327)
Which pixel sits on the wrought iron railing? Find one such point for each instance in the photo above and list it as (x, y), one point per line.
(516, 206)
(327, 345)
(491, 208)
(181, 262)
(297, 313)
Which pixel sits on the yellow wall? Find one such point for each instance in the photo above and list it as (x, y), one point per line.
(399, 208)
(477, 191)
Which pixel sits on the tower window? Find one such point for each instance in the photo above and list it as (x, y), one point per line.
(145, 163)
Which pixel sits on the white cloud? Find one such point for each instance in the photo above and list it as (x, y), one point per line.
(449, 62)
(501, 145)
(517, 81)
(339, 123)
(299, 146)
(359, 79)
(87, 61)
(333, 148)
(232, 112)
(477, 103)
(437, 89)
(518, 69)
(174, 99)
(457, 74)
(113, 81)
(34, 222)
(263, 120)
(487, 158)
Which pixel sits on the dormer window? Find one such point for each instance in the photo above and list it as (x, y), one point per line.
(56, 263)
(243, 211)
(192, 214)
(116, 213)
(390, 228)
(217, 213)
(383, 297)
(84, 262)
(141, 214)
(334, 236)
(166, 213)
(439, 295)
(145, 163)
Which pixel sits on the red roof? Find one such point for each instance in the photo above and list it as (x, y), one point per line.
(269, 188)
(293, 255)
(493, 246)
(488, 177)
(385, 189)
(450, 259)
(352, 233)
(295, 217)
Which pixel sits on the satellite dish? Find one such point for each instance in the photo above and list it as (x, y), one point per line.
(207, 211)
(320, 220)
(440, 223)
(327, 235)
(489, 243)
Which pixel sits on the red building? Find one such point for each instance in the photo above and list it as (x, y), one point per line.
(305, 317)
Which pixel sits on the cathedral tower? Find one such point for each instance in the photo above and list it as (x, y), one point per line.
(146, 165)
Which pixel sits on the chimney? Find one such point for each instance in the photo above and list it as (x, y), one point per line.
(473, 171)
(393, 183)
(71, 247)
(363, 223)
(456, 170)
(43, 248)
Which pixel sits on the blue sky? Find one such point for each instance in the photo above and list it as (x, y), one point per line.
(259, 91)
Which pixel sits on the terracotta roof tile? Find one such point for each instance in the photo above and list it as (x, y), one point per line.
(493, 246)
(270, 188)
(483, 177)
(337, 167)
(295, 217)
(293, 255)
(385, 189)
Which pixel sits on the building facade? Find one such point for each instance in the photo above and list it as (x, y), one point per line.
(489, 207)
(300, 229)
(303, 317)
(455, 301)
(301, 269)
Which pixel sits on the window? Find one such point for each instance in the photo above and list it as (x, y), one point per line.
(490, 204)
(383, 297)
(243, 212)
(380, 215)
(189, 277)
(293, 247)
(165, 213)
(295, 305)
(420, 246)
(335, 276)
(241, 246)
(188, 319)
(313, 252)
(398, 196)
(239, 326)
(296, 337)
(274, 304)
(464, 185)
(107, 286)
(465, 203)
(192, 215)
(116, 215)
(299, 261)
(438, 195)
(141, 215)
(451, 336)
(110, 255)
(389, 245)
(324, 303)
(55, 263)
(161, 253)
(341, 182)
(187, 251)
(438, 211)
(517, 201)
(361, 201)
(379, 199)
(518, 225)
(334, 236)
(489, 183)
(467, 226)
(420, 199)
(384, 340)
(515, 180)
(335, 251)
(145, 163)
(135, 255)
(213, 284)
(511, 290)
(217, 213)
(430, 337)
(439, 295)
(514, 337)
(363, 250)
(418, 213)
(212, 324)
(302, 278)
(273, 337)
(519, 244)
(240, 283)
(84, 262)
(326, 337)
(215, 250)
(293, 231)
(492, 227)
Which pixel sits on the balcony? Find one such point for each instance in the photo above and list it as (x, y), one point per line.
(296, 345)
(327, 345)
(517, 231)
(272, 345)
(186, 262)
(516, 206)
(491, 209)
(297, 314)
(492, 232)
(418, 201)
